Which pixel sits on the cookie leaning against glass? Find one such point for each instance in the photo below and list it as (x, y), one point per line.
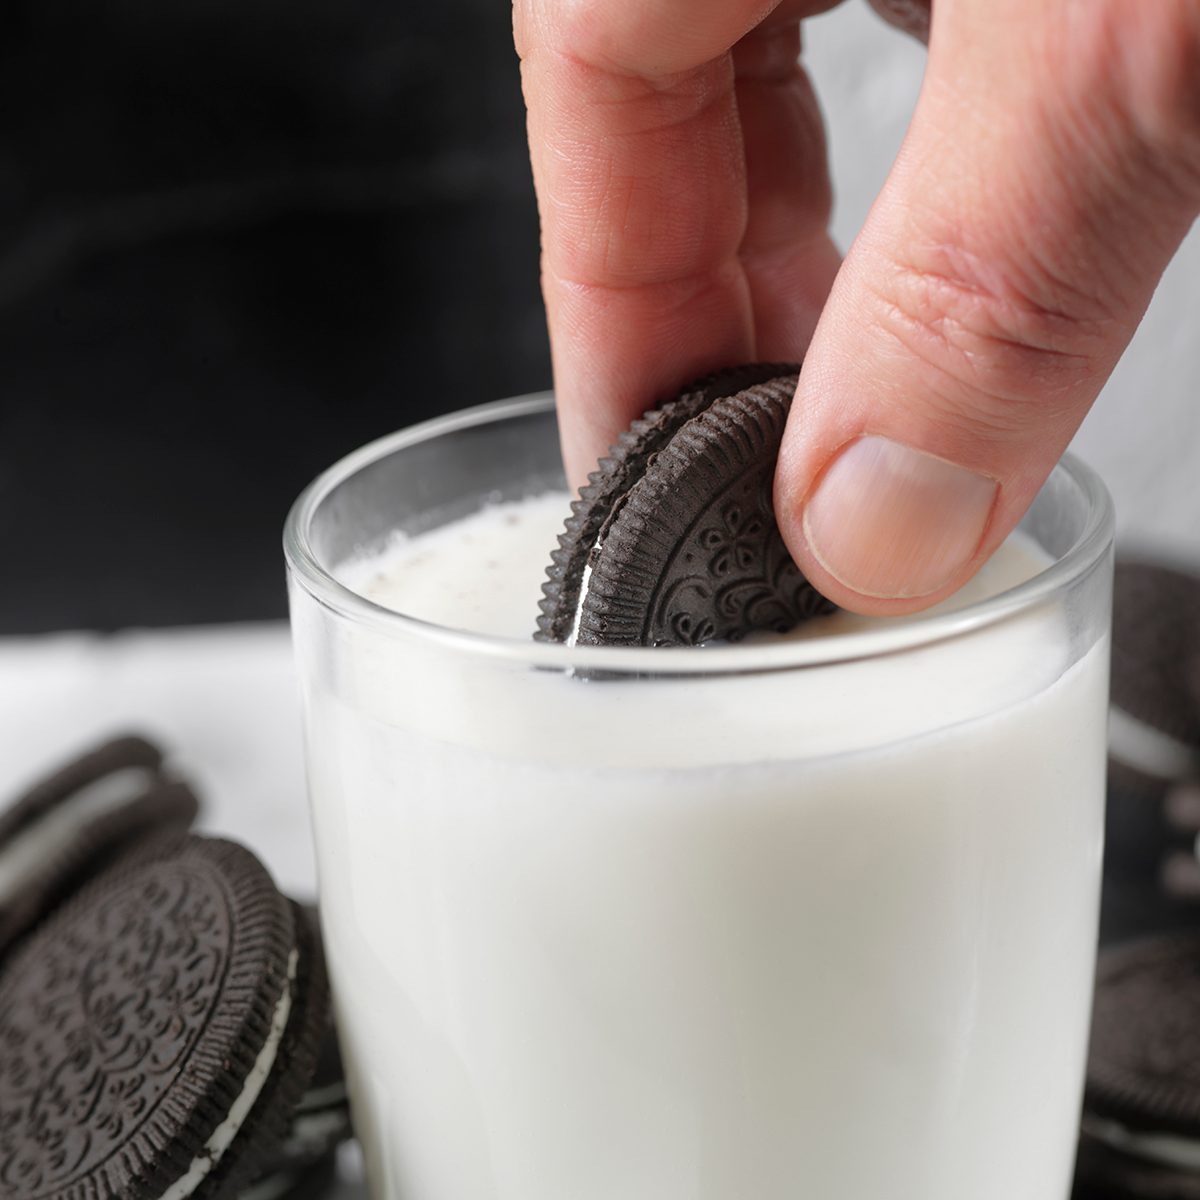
(158, 1030)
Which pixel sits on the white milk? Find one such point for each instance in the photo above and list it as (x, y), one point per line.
(824, 933)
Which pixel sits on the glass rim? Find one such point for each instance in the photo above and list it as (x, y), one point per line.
(918, 631)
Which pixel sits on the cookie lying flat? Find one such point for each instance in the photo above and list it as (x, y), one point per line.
(1142, 1101)
(72, 823)
(157, 1030)
(320, 1121)
(673, 541)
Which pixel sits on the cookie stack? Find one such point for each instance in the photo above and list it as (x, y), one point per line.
(1152, 876)
(165, 1026)
(1140, 1136)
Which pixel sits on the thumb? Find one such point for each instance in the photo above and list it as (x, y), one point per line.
(1050, 172)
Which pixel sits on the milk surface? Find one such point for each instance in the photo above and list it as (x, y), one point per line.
(820, 933)
(484, 573)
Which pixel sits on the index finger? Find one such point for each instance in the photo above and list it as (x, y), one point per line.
(640, 165)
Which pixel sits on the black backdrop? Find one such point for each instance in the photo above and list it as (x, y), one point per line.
(237, 239)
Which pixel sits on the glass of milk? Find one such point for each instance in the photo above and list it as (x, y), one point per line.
(811, 916)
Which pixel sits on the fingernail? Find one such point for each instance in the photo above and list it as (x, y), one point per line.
(892, 522)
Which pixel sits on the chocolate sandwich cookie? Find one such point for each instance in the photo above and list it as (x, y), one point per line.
(310, 1182)
(1102, 1173)
(1155, 726)
(673, 541)
(1179, 868)
(1151, 879)
(1142, 1100)
(76, 820)
(320, 1121)
(157, 1031)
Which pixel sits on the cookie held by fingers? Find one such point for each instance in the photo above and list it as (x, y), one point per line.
(673, 541)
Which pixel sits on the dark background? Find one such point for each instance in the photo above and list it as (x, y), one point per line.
(239, 238)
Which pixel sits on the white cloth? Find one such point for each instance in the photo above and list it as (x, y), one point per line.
(221, 700)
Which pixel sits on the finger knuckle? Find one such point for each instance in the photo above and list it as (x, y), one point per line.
(986, 343)
(634, 190)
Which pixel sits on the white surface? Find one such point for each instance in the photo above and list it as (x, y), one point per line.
(222, 701)
(1143, 435)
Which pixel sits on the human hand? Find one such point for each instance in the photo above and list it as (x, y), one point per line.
(1050, 171)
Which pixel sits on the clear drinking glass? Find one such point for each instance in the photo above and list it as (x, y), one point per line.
(810, 917)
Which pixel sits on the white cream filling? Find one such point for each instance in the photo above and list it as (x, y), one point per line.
(583, 586)
(54, 831)
(1166, 1149)
(228, 1129)
(1147, 749)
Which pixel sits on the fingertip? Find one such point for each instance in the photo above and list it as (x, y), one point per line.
(887, 529)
